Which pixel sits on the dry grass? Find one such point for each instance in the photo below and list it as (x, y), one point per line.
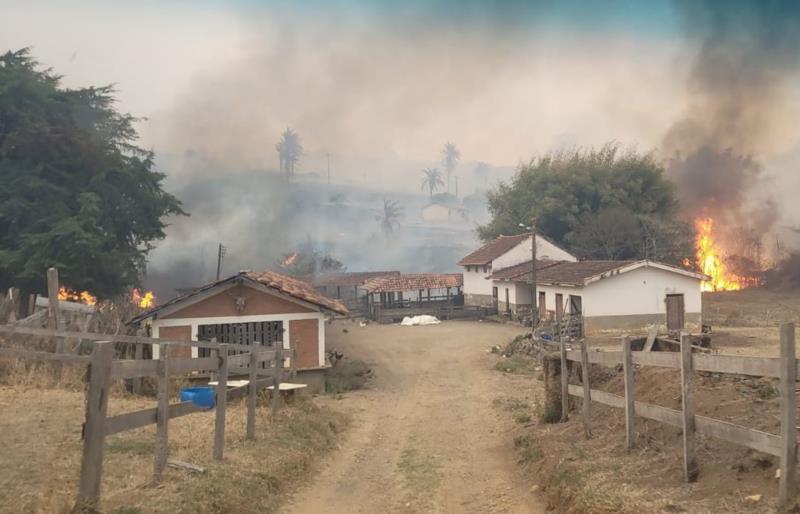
(42, 446)
(599, 476)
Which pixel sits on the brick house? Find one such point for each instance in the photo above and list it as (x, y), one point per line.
(262, 308)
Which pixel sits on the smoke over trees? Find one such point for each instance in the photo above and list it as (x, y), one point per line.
(77, 192)
(735, 96)
(289, 148)
(601, 203)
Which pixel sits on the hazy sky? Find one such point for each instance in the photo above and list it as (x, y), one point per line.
(389, 82)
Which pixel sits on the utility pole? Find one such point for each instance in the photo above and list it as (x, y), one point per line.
(456, 177)
(220, 255)
(534, 294)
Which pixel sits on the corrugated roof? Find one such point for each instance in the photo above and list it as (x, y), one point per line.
(349, 278)
(281, 283)
(413, 282)
(492, 250)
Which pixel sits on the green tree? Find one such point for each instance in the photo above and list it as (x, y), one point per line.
(600, 203)
(77, 193)
(432, 180)
(451, 155)
(289, 148)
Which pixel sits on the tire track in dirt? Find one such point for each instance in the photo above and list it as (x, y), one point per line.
(425, 436)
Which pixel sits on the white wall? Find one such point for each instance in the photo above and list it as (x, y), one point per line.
(475, 281)
(641, 291)
(436, 212)
(545, 250)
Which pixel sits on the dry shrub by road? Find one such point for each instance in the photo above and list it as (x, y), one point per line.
(598, 475)
(42, 447)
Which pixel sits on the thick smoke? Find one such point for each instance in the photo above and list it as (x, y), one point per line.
(737, 93)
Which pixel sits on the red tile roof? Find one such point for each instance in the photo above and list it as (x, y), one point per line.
(297, 288)
(519, 270)
(348, 278)
(281, 283)
(492, 250)
(414, 282)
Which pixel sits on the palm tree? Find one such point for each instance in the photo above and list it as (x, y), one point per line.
(432, 180)
(289, 151)
(390, 216)
(482, 172)
(450, 157)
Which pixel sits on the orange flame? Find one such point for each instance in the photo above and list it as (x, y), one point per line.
(144, 301)
(69, 295)
(289, 260)
(710, 260)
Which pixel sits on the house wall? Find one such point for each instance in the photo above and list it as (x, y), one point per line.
(435, 212)
(309, 325)
(637, 299)
(178, 333)
(224, 304)
(630, 301)
(545, 250)
(477, 289)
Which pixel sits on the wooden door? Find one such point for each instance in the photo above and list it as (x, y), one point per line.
(559, 305)
(542, 305)
(494, 298)
(508, 305)
(675, 314)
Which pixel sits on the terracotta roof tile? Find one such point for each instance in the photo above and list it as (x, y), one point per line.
(282, 283)
(414, 282)
(492, 250)
(559, 272)
(348, 278)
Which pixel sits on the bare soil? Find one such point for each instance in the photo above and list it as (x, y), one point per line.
(41, 451)
(427, 435)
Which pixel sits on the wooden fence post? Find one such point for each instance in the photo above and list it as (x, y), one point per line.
(788, 381)
(94, 427)
(587, 391)
(162, 414)
(52, 305)
(564, 382)
(13, 308)
(277, 375)
(251, 396)
(222, 402)
(138, 354)
(627, 367)
(690, 468)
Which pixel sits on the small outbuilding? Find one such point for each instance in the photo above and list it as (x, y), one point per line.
(259, 308)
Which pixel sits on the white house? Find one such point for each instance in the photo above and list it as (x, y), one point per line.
(258, 308)
(609, 295)
(503, 252)
(442, 213)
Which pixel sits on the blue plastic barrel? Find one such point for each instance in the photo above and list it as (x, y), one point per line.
(200, 396)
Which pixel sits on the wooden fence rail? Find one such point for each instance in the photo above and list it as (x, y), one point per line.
(785, 367)
(103, 369)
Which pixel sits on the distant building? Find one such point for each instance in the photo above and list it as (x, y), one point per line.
(502, 252)
(441, 213)
(348, 287)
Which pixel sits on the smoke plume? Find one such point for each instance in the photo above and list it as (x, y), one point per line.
(736, 95)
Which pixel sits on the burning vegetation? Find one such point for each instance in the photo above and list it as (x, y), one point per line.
(142, 300)
(724, 270)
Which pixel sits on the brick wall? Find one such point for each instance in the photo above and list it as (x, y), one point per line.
(304, 338)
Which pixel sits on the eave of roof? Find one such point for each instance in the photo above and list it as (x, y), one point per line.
(282, 284)
(492, 250)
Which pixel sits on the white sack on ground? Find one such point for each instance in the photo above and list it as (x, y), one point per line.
(423, 319)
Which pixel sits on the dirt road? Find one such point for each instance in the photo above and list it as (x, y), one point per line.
(426, 436)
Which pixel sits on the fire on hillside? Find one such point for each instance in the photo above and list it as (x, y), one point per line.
(143, 300)
(712, 260)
